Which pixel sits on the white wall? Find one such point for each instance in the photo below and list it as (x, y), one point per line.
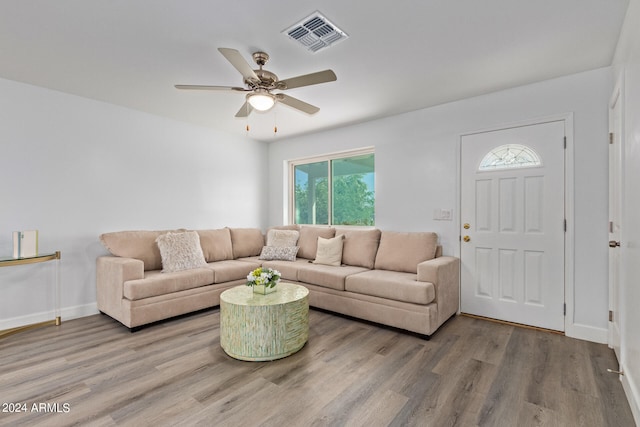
(417, 162)
(627, 71)
(74, 168)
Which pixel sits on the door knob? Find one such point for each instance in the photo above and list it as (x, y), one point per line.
(613, 243)
(466, 238)
(466, 226)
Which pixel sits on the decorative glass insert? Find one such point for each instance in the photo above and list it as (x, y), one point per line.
(510, 156)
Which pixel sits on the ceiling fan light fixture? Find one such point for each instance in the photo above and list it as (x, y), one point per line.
(261, 100)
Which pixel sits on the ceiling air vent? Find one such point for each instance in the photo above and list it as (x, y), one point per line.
(315, 32)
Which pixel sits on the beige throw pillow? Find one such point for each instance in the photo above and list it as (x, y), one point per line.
(282, 238)
(329, 251)
(308, 241)
(180, 251)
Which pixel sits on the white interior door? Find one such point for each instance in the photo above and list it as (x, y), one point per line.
(513, 224)
(615, 211)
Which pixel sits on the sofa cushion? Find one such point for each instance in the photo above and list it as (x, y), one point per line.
(246, 242)
(270, 253)
(326, 275)
(229, 270)
(216, 244)
(135, 244)
(180, 251)
(329, 251)
(308, 240)
(288, 270)
(404, 251)
(282, 238)
(392, 285)
(156, 283)
(360, 247)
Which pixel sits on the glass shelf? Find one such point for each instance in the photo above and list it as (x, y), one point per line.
(8, 261)
(54, 256)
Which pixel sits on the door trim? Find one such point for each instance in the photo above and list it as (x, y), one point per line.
(571, 328)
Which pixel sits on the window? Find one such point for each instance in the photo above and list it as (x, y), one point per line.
(334, 190)
(510, 156)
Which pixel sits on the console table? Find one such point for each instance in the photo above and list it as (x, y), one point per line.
(55, 256)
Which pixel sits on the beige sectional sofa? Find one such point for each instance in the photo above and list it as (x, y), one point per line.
(392, 278)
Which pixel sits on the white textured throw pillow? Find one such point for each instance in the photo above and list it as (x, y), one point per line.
(329, 251)
(180, 251)
(270, 253)
(282, 238)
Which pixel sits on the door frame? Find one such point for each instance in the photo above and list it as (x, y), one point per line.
(570, 329)
(617, 97)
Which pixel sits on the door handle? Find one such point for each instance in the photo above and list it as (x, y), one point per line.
(613, 244)
(466, 238)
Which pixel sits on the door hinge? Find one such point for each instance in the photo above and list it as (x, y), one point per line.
(565, 225)
(565, 142)
(564, 309)
(610, 316)
(610, 137)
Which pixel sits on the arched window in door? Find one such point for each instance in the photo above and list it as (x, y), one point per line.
(510, 156)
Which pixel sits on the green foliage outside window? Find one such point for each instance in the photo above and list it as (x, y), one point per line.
(352, 192)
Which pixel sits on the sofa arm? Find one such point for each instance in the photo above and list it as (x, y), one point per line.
(444, 273)
(111, 273)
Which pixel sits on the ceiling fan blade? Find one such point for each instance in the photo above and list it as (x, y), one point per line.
(308, 79)
(297, 104)
(239, 63)
(245, 110)
(205, 87)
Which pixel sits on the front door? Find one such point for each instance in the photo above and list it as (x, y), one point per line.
(513, 224)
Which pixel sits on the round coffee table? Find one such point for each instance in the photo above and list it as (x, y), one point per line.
(257, 327)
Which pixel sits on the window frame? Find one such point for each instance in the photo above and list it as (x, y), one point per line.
(291, 164)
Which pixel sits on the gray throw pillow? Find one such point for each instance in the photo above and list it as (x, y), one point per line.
(280, 253)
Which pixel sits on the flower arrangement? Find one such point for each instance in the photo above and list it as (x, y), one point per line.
(266, 277)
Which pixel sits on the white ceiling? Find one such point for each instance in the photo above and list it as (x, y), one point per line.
(400, 56)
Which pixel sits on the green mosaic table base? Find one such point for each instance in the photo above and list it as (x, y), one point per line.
(256, 327)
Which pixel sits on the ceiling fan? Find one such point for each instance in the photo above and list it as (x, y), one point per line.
(260, 83)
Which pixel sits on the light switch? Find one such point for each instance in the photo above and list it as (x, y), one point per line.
(443, 214)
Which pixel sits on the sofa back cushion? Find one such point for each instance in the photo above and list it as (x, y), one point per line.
(135, 244)
(246, 242)
(404, 251)
(359, 247)
(308, 240)
(216, 244)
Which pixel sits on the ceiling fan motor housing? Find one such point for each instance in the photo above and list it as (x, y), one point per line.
(267, 79)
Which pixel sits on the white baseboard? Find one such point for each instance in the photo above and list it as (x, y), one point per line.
(587, 333)
(633, 396)
(66, 313)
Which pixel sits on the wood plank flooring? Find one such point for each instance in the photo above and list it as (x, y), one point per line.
(93, 371)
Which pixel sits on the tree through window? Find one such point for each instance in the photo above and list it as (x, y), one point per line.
(335, 191)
